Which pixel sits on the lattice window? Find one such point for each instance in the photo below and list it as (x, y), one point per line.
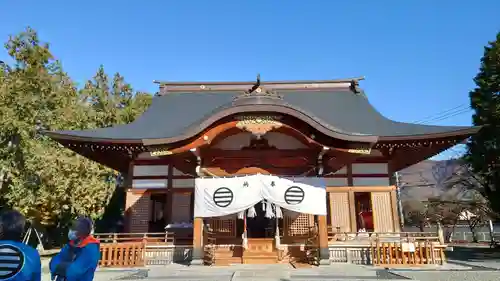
(298, 225)
(224, 226)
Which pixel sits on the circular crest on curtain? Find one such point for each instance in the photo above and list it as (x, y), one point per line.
(223, 197)
(294, 195)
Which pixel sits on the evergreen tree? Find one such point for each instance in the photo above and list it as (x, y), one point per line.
(484, 148)
(45, 181)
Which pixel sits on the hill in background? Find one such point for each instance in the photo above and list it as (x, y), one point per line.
(427, 179)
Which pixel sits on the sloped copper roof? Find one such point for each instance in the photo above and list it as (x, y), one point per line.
(343, 113)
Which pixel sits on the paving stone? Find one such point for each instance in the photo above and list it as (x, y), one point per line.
(260, 272)
(283, 272)
(336, 270)
(431, 267)
(451, 275)
(493, 264)
(102, 275)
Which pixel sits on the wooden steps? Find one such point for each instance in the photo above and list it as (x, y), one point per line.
(260, 258)
(260, 251)
(226, 255)
(227, 261)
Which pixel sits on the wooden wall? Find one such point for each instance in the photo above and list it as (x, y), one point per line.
(178, 187)
(340, 211)
(158, 175)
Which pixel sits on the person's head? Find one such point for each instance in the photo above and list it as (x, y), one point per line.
(80, 229)
(12, 224)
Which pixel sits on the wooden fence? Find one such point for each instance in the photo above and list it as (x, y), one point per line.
(129, 254)
(129, 249)
(406, 253)
(391, 248)
(140, 249)
(337, 236)
(154, 237)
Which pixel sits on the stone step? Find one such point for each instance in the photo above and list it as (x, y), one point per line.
(268, 272)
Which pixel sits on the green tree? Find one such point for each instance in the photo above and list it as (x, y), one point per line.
(484, 148)
(45, 181)
(112, 102)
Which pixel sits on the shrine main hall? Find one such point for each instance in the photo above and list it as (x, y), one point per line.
(258, 168)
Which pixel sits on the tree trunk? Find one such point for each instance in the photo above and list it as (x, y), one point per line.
(449, 239)
(472, 227)
(440, 233)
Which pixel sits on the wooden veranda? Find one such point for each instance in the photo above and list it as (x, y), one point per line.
(378, 249)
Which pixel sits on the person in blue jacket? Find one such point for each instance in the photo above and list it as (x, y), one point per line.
(18, 261)
(77, 260)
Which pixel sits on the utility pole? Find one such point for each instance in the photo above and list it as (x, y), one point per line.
(400, 205)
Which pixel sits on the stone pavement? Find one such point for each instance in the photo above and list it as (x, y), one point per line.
(464, 264)
(339, 272)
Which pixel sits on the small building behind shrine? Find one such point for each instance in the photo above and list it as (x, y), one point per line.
(268, 160)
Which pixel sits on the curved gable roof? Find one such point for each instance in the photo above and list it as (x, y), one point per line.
(339, 113)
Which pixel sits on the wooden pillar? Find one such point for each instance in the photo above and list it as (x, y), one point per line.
(352, 211)
(395, 212)
(324, 252)
(197, 241)
(170, 194)
(352, 204)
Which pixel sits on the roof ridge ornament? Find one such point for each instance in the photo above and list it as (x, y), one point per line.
(258, 91)
(256, 85)
(355, 86)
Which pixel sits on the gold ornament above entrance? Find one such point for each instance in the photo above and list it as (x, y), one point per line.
(360, 149)
(259, 125)
(159, 151)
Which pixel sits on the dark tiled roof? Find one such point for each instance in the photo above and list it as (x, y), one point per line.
(338, 113)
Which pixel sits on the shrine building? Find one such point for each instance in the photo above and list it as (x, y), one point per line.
(258, 165)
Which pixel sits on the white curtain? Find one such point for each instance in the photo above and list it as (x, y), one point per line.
(216, 197)
(301, 195)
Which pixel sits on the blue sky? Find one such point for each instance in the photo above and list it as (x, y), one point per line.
(418, 56)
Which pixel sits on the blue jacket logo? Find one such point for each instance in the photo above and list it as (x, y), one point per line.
(11, 261)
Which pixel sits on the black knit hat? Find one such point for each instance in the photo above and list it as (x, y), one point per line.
(12, 224)
(83, 226)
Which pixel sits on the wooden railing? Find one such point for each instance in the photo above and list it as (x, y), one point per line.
(122, 254)
(129, 249)
(154, 237)
(406, 248)
(393, 248)
(406, 253)
(334, 236)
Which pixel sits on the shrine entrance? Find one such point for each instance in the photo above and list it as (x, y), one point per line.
(261, 226)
